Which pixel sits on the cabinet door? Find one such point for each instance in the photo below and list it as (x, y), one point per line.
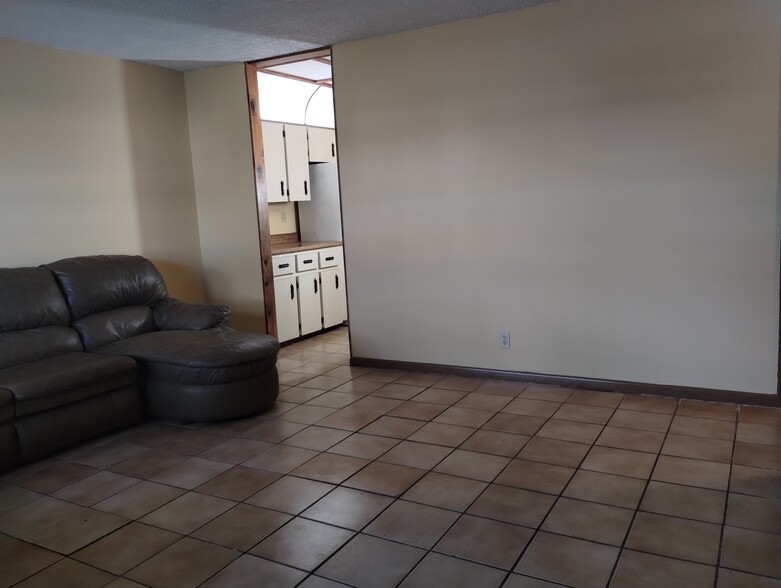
(322, 145)
(287, 307)
(297, 162)
(274, 160)
(309, 302)
(333, 296)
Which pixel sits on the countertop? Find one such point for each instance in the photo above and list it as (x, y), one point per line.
(299, 246)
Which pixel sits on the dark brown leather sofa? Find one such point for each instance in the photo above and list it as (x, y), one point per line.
(90, 344)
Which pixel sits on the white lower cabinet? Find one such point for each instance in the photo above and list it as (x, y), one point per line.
(310, 292)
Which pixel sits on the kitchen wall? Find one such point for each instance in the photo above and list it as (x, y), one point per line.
(225, 191)
(95, 159)
(599, 177)
(279, 210)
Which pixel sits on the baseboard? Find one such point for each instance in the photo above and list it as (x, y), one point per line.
(707, 394)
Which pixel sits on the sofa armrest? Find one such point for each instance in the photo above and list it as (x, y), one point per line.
(172, 314)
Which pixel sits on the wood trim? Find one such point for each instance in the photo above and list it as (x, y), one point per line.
(324, 82)
(708, 394)
(284, 238)
(292, 57)
(261, 200)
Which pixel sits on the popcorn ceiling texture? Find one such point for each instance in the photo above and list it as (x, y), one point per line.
(187, 34)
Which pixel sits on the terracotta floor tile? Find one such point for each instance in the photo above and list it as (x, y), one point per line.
(684, 501)
(656, 404)
(242, 527)
(758, 456)
(125, 548)
(485, 541)
(398, 391)
(596, 398)
(139, 500)
(149, 464)
(553, 451)
(673, 537)
(192, 442)
(442, 434)
(281, 459)
(293, 378)
(359, 387)
(420, 379)
(108, 454)
(439, 396)
(329, 467)
(190, 473)
(633, 439)
(644, 421)
(546, 392)
(495, 443)
(643, 570)
(584, 414)
(238, 483)
(755, 481)
(465, 417)
(519, 581)
(290, 495)
(11, 497)
(323, 382)
(708, 410)
(55, 477)
(568, 561)
(469, 464)
(95, 488)
(307, 414)
(483, 401)
(570, 431)
(589, 521)
(413, 524)
(760, 415)
(19, 559)
(531, 407)
(273, 431)
(377, 404)
(422, 411)
(188, 512)
(753, 512)
(381, 375)
(316, 438)
(733, 579)
(245, 571)
(512, 505)
(348, 508)
(758, 434)
(334, 399)
(235, 450)
(633, 464)
(185, 564)
(364, 446)
(515, 423)
(370, 562)
(349, 419)
(605, 489)
(299, 395)
(416, 455)
(76, 530)
(708, 428)
(153, 434)
(302, 544)
(445, 491)
(314, 368)
(441, 570)
(692, 472)
(698, 448)
(531, 475)
(459, 383)
(501, 388)
(394, 427)
(67, 573)
(385, 478)
(33, 516)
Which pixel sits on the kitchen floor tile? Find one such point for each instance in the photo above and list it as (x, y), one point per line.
(421, 411)
(605, 489)
(529, 407)
(385, 478)
(348, 508)
(188, 512)
(495, 443)
(442, 434)
(245, 571)
(643, 421)
(19, 560)
(416, 455)
(364, 446)
(242, 527)
(753, 512)
(238, 483)
(394, 427)
(465, 417)
(513, 505)
(515, 423)
(281, 459)
(329, 467)
(532, 475)
(751, 551)
(441, 570)
(656, 404)
(692, 472)
(469, 464)
(607, 460)
(643, 570)
(190, 473)
(413, 524)
(589, 521)
(485, 541)
(684, 501)
(570, 431)
(291, 495)
(553, 451)
(482, 401)
(633, 439)
(235, 450)
(302, 544)
(698, 448)
(76, 530)
(673, 537)
(67, 573)
(445, 491)
(584, 414)
(398, 391)
(596, 398)
(546, 392)
(139, 500)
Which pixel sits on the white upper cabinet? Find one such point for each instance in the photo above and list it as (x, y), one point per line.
(274, 160)
(297, 162)
(285, 153)
(322, 145)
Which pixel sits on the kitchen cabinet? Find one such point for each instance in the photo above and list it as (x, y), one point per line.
(286, 158)
(310, 291)
(322, 145)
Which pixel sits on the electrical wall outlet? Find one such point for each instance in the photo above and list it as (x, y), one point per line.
(504, 339)
(283, 216)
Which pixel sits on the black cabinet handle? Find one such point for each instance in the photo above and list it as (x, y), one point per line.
(282, 188)
(306, 190)
(337, 281)
(292, 292)
(309, 261)
(315, 285)
(283, 265)
(329, 258)
(333, 150)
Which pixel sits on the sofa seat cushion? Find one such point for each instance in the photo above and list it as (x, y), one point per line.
(57, 381)
(212, 356)
(6, 406)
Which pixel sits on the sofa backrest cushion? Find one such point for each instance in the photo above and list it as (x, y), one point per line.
(102, 328)
(34, 317)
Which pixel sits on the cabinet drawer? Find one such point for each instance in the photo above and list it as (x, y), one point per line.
(283, 264)
(330, 257)
(306, 261)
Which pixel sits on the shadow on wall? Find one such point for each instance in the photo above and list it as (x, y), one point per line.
(159, 152)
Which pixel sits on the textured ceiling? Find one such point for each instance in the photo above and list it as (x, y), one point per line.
(185, 34)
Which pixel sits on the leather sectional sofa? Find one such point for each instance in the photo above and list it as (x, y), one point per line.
(91, 344)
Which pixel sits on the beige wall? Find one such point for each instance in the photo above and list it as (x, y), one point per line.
(279, 210)
(603, 182)
(225, 191)
(95, 158)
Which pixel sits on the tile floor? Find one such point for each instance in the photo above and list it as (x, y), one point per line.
(375, 478)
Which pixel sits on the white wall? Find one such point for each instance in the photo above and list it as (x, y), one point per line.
(95, 159)
(598, 177)
(225, 191)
